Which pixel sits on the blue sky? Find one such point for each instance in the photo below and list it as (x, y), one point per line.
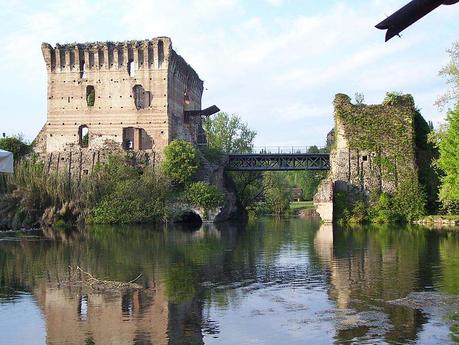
(277, 63)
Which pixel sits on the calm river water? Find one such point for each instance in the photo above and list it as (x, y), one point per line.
(271, 282)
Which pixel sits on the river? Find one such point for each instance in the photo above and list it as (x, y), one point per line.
(271, 281)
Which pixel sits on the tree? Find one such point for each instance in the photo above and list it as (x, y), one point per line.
(204, 195)
(451, 73)
(17, 145)
(448, 162)
(307, 180)
(181, 161)
(227, 133)
(276, 192)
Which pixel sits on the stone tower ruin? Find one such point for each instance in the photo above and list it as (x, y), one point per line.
(107, 96)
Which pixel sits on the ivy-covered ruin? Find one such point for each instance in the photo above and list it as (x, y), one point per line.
(381, 158)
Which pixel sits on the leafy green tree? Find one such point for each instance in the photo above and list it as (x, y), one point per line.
(181, 161)
(307, 180)
(276, 192)
(17, 145)
(451, 73)
(227, 133)
(204, 195)
(448, 162)
(249, 186)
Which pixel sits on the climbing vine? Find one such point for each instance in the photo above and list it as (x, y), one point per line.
(393, 136)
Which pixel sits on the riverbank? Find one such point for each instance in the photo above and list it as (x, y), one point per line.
(184, 187)
(439, 221)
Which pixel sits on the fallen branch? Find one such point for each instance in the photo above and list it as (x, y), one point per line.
(99, 284)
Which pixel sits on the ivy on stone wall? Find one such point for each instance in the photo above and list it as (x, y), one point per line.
(386, 128)
(394, 135)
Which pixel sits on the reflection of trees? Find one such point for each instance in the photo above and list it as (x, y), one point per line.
(369, 266)
(449, 253)
(179, 272)
(184, 271)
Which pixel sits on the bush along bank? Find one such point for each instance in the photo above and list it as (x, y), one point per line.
(115, 192)
(405, 206)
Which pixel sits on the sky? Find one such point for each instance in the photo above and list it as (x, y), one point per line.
(275, 63)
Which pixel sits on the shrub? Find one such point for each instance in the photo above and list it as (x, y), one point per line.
(383, 210)
(277, 194)
(204, 195)
(341, 212)
(359, 213)
(410, 200)
(211, 154)
(181, 161)
(114, 193)
(17, 145)
(137, 198)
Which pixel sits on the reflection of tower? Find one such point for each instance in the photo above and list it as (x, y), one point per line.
(364, 266)
(74, 316)
(185, 323)
(323, 244)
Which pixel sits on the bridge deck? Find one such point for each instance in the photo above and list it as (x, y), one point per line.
(278, 162)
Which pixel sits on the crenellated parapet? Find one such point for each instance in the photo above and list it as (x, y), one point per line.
(135, 94)
(81, 57)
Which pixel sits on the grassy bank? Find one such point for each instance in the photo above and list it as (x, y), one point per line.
(297, 206)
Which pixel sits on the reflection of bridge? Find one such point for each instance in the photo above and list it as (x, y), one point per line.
(279, 158)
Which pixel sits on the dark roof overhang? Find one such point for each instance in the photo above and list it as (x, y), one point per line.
(409, 14)
(204, 112)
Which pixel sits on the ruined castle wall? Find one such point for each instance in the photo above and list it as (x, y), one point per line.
(185, 94)
(106, 97)
(375, 144)
(374, 150)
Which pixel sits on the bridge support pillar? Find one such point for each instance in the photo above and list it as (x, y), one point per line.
(323, 200)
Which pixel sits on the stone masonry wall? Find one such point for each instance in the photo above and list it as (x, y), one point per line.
(139, 92)
(374, 149)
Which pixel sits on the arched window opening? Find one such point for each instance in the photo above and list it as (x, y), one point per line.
(128, 138)
(82, 69)
(138, 93)
(135, 139)
(160, 54)
(83, 134)
(131, 68)
(90, 95)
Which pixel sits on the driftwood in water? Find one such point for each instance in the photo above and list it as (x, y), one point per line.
(79, 277)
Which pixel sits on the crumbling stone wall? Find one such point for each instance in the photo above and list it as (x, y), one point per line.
(114, 96)
(374, 149)
(375, 144)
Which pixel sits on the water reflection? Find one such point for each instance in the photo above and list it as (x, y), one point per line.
(270, 282)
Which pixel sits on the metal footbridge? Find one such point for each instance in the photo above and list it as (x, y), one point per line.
(279, 159)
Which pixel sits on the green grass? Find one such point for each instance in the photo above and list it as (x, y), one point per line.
(301, 205)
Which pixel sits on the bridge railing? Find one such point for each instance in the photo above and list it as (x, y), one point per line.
(284, 150)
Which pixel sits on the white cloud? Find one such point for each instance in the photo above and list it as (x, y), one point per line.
(280, 74)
